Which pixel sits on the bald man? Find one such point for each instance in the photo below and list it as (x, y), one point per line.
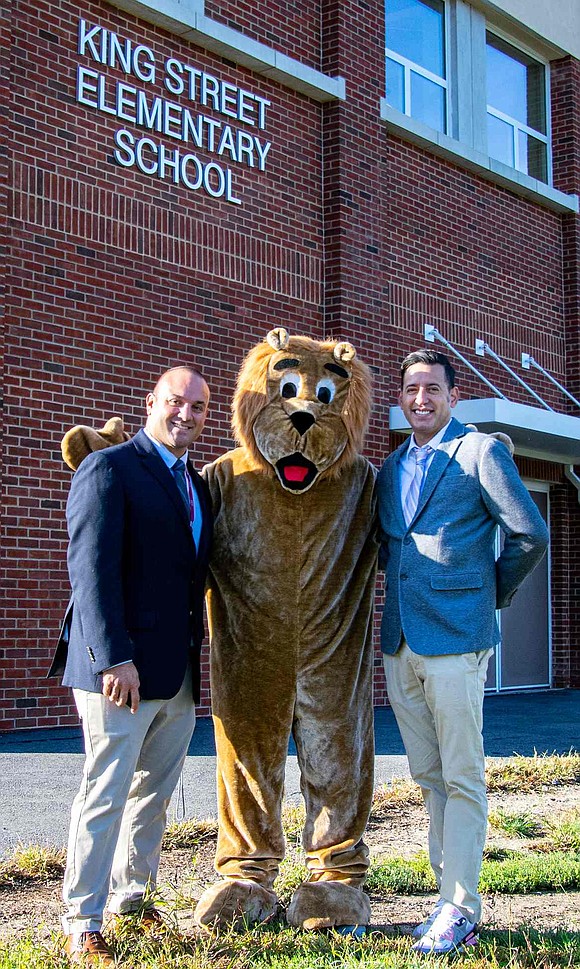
(140, 527)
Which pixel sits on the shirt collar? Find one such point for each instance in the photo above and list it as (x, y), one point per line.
(164, 452)
(435, 441)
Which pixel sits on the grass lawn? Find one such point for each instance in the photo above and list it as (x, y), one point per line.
(533, 852)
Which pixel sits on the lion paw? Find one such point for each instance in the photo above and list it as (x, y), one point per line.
(234, 903)
(323, 905)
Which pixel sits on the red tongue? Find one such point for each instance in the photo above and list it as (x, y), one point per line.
(295, 473)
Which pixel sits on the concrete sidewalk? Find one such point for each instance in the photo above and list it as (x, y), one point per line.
(41, 769)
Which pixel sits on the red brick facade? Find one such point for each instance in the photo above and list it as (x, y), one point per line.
(349, 231)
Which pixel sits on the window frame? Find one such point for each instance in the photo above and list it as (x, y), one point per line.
(513, 122)
(411, 67)
(466, 26)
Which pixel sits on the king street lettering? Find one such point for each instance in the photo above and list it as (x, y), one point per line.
(169, 118)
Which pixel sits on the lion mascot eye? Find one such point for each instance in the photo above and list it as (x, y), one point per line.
(290, 385)
(325, 391)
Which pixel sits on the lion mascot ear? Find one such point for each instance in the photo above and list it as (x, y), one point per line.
(82, 440)
(499, 436)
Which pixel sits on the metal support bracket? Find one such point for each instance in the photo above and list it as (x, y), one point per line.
(432, 333)
(481, 348)
(528, 361)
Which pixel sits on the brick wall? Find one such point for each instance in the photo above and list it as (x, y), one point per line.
(350, 232)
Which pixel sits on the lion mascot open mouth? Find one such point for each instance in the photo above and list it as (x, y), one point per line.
(290, 600)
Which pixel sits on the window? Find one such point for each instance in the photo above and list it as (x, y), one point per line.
(459, 84)
(516, 109)
(415, 60)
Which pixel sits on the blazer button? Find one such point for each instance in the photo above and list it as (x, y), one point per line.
(408, 540)
(403, 576)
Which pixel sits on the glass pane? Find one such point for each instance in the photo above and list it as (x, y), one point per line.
(415, 30)
(516, 84)
(537, 97)
(395, 93)
(533, 156)
(500, 140)
(525, 629)
(427, 102)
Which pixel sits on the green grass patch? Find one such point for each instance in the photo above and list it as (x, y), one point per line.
(397, 794)
(293, 818)
(523, 873)
(502, 872)
(279, 947)
(32, 863)
(524, 774)
(188, 834)
(521, 774)
(401, 876)
(292, 874)
(516, 824)
(564, 831)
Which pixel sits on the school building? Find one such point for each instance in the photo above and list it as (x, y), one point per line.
(182, 175)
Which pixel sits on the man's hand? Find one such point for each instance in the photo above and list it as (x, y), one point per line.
(121, 685)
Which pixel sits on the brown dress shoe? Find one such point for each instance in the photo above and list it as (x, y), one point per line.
(88, 949)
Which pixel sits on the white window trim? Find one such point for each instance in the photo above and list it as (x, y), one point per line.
(409, 66)
(547, 138)
(473, 158)
(516, 126)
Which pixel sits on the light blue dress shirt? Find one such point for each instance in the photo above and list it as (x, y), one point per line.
(169, 459)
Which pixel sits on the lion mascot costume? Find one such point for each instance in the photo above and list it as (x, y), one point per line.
(290, 604)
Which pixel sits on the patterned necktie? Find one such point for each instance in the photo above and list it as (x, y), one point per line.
(421, 455)
(179, 473)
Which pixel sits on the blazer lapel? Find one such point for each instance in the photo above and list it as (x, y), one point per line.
(443, 454)
(157, 467)
(394, 485)
(205, 511)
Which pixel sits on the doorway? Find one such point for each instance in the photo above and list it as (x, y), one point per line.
(523, 658)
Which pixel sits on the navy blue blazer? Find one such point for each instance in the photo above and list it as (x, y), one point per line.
(137, 581)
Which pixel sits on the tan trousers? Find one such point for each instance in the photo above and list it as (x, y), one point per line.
(132, 765)
(438, 704)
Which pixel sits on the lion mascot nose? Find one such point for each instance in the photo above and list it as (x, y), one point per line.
(302, 420)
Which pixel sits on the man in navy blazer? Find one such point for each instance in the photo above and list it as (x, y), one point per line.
(140, 528)
(441, 496)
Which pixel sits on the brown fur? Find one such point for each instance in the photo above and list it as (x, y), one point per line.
(290, 603)
(290, 606)
(254, 394)
(80, 441)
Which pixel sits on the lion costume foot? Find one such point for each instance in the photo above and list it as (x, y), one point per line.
(232, 902)
(323, 905)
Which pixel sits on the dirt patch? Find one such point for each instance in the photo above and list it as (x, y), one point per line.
(402, 831)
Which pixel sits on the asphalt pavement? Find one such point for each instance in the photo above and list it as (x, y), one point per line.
(41, 769)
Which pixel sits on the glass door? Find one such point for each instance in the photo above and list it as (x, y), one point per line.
(523, 659)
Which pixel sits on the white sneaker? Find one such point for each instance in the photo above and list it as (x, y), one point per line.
(423, 927)
(450, 931)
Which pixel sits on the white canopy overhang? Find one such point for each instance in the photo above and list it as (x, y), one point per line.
(536, 433)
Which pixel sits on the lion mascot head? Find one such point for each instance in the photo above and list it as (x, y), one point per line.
(301, 408)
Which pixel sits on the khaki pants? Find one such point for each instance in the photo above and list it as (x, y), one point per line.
(132, 765)
(438, 704)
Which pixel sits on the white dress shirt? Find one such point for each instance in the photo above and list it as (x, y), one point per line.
(407, 462)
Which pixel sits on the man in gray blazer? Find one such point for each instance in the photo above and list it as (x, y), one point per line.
(441, 496)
